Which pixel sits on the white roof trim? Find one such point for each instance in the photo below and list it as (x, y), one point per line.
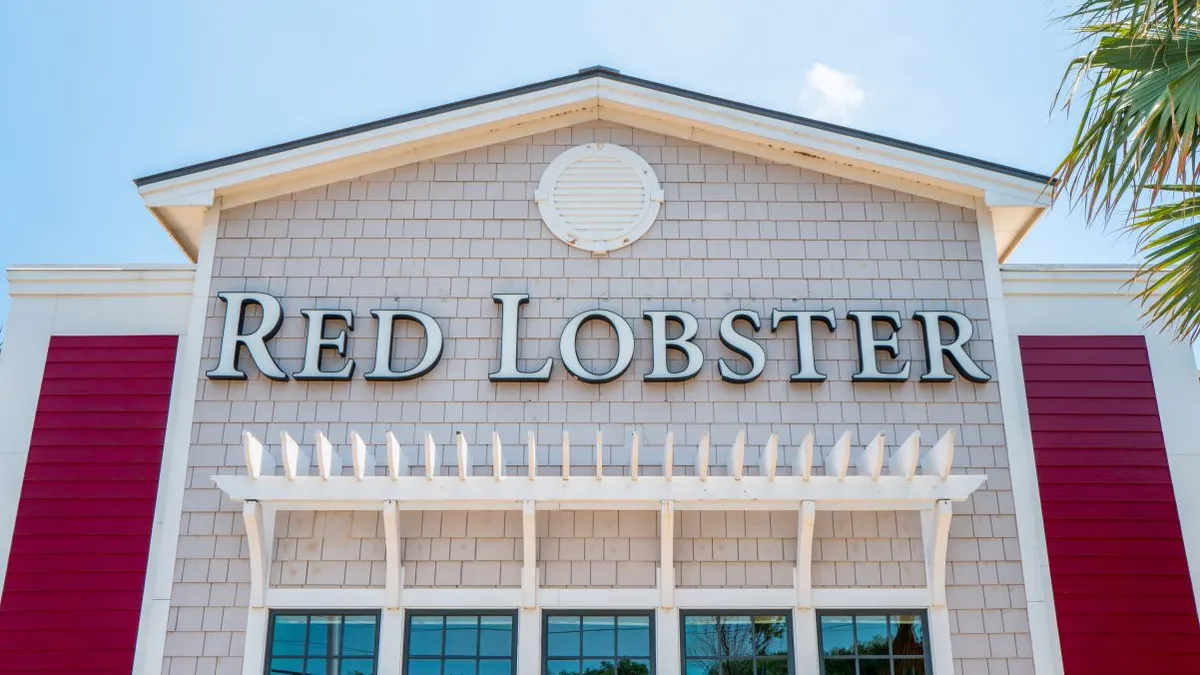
(179, 201)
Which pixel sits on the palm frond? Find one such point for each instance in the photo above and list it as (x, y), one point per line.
(1170, 276)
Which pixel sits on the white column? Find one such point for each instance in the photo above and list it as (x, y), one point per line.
(391, 641)
(667, 645)
(256, 641)
(529, 641)
(804, 641)
(939, 640)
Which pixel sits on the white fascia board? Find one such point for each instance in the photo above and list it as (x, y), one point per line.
(1069, 280)
(1007, 190)
(97, 280)
(182, 191)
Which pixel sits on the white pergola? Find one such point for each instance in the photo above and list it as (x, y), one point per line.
(912, 481)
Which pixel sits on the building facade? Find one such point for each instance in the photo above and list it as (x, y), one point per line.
(596, 375)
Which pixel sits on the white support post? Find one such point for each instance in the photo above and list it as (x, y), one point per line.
(804, 553)
(358, 455)
(529, 640)
(702, 458)
(254, 648)
(391, 648)
(804, 640)
(324, 456)
(291, 454)
(666, 557)
(935, 531)
(667, 643)
(394, 570)
(396, 465)
(252, 516)
(669, 455)
(940, 638)
(529, 580)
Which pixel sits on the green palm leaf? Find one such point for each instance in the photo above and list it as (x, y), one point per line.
(1138, 86)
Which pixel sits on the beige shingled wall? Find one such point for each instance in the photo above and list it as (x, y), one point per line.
(735, 232)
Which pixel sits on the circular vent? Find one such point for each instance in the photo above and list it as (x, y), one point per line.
(599, 197)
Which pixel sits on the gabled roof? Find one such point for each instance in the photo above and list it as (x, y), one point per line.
(179, 198)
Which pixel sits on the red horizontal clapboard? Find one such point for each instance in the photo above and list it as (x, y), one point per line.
(1122, 591)
(77, 571)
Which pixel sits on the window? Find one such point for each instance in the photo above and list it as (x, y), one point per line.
(737, 644)
(478, 643)
(873, 644)
(336, 643)
(579, 643)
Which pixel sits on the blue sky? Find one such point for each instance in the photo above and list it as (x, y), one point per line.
(94, 94)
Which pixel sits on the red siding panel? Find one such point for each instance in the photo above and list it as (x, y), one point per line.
(1121, 586)
(77, 568)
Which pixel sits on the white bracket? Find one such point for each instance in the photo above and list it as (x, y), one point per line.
(396, 464)
(839, 457)
(935, 531)
(254, 454)
(804, 459)
(769, 458)
(702, 458)
(737, 456)
(904, 460)
(669, 455)
(531, 459)
(804, 553)
(870, 462)
(464, 456)
(291, 454)
(497, 456)
(431, 462)
(358, 455)
(324, 456)
(633, 456)
(599, 455)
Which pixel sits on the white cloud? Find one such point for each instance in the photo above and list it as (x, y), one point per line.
(830, 95)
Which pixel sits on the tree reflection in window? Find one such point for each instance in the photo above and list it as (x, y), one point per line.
(716, 644)
(599, 644)
(873, 644)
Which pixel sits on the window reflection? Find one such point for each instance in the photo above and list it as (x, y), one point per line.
(754, 644)
(598, 644)
(459, 644)
(873, 644)
(322, 644)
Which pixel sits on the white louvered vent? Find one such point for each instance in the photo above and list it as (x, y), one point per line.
(599, 197)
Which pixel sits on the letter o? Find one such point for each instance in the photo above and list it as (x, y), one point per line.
(570, 355)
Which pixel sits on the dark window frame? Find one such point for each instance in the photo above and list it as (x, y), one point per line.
(787, 612)
(267, 655)
(885, 612)
(547, 613)
(410, 613)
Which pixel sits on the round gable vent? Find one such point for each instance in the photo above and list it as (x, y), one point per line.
(599, 197)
